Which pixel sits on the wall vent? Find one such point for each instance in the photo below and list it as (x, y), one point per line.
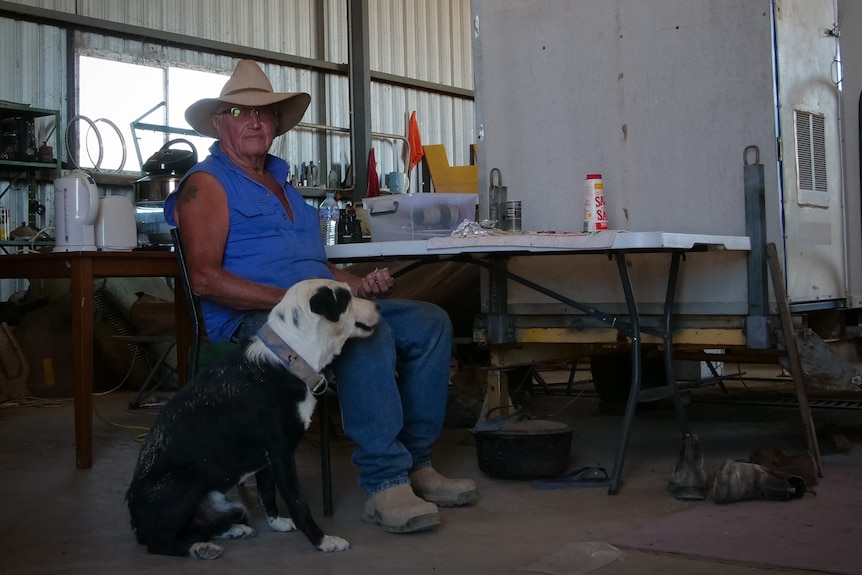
(811, 157)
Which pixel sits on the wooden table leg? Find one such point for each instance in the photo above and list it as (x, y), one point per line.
(83, 308)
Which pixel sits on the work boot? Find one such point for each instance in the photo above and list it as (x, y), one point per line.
(739, 480)
(801, 464)
(442, 491)
(689, 479)
(398, 510)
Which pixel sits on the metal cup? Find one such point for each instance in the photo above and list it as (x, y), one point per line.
(512, 222)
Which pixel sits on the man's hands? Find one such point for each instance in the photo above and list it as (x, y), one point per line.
(376, 284)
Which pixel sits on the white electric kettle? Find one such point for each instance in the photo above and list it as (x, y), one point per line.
(76, 206)
(115, 225)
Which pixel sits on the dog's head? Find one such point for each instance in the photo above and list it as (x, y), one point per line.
(316, 317)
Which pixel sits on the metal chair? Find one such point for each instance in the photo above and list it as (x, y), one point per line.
(199, 337)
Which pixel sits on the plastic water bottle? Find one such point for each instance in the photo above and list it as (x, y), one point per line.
(329, 213)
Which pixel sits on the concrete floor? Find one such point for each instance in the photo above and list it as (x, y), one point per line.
(58, 519)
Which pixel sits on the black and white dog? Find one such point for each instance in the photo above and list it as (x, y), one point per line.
(244, 415)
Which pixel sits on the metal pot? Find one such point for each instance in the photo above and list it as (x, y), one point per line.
(155, 188)
(150, 195)
(165, 169)
(515, 448)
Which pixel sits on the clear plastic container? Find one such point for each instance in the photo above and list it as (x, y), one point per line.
(417, 216)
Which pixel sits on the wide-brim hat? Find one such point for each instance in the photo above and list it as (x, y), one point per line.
(249, 86)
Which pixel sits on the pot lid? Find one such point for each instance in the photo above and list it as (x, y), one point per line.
(159, 178)
(172, 161)
(527, 427)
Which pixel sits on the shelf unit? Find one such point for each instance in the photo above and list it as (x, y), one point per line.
(15, 163)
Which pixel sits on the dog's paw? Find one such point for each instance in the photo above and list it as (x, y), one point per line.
(332, 543)
(238, 531)
(205, 550)
(281, 524)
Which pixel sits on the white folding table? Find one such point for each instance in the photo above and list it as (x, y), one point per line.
(490, 251)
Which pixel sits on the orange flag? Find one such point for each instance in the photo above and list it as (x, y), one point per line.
(415, 141)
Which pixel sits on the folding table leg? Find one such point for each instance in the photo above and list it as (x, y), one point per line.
(637, 364)
(667, 336)
(634, 389)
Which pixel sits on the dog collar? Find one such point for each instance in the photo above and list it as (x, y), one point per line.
(291, 360)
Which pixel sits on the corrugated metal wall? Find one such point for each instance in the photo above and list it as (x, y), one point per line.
(32, 68)
(420, 43)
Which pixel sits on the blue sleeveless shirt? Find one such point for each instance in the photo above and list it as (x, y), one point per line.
(263, 244)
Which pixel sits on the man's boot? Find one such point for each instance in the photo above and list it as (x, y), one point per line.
(442, 491)
(740, 480)
(801, 464)
(398, 510)
(689, 479)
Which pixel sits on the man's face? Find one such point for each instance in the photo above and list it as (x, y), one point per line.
(245, 131)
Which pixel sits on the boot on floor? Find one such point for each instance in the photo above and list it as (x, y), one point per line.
(689, 479)
(740, 480)
(398, 510)
(801, 464)
(442, 491)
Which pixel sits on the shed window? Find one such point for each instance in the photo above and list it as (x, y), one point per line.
(123, 93)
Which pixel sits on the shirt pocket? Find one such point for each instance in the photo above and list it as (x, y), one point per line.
(260, 219)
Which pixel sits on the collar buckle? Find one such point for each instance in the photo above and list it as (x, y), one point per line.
(320, 387)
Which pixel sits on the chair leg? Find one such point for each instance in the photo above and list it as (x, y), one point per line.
(325, 462)
(146, 388)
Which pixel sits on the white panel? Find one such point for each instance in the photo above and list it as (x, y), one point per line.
(814, 220)
(657, 98)
(850, 20)
(661, 97)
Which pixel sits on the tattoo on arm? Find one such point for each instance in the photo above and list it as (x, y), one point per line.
(188, 193)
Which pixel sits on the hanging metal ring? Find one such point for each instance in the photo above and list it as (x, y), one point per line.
(499, 178)
(122, 141)
(98, 139)
(756, 151)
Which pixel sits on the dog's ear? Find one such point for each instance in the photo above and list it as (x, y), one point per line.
(330, 303)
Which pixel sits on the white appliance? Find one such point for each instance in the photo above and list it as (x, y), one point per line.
(76, 205)
(115, 225)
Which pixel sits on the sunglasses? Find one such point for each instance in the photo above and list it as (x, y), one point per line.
(244, 114)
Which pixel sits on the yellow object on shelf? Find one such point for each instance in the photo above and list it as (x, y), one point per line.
(450, 179)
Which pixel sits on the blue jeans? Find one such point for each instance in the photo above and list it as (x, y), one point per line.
(392, 389)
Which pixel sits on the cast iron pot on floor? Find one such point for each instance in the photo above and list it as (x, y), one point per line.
(514, 447)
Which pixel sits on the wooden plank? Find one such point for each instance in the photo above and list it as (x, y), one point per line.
(793, 353)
